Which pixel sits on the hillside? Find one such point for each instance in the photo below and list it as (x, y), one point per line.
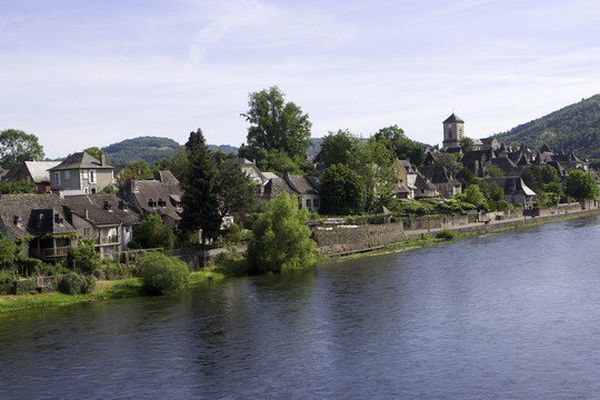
(150, 149)
(572, 128)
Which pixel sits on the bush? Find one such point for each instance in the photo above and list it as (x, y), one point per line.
(162, 274)
(234, 234)
(7, 282)
(84, 258)
(113, 271)
(74, 283)
(152, 233)
(446, 234)
(50, 269)
(24, 286)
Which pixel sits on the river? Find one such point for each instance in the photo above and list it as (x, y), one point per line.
(507, 316)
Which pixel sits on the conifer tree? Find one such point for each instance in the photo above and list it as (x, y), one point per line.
(199, 201)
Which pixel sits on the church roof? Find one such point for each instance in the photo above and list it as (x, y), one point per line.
(453, 118)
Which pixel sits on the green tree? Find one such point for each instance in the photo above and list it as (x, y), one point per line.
(581, 185)
(177, 164)
(281, 241)
(200, 199)
(467, 144)
(95, 152)
(378, 168)
(17, 146)
(406, 149)
(274, 160)
(161, 274)
(474, 195)
(276, 124)
(17, 187)
(138, 169)
(152, 233)
(494, 171)
(545, 182)
(236, 193)
(84, 258)
(342, 191)
(339, 148)
(9, 251)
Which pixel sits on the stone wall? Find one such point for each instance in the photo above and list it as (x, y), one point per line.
(341, 240)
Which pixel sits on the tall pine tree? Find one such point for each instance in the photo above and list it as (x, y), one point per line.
(200, 202)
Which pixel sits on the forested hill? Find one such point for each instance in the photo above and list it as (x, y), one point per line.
(150, 149)
(573, 128)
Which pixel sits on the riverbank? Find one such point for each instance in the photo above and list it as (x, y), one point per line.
(104, 290)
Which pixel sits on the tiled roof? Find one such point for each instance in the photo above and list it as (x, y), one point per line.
(302, 184)
(81, 160)
(38, 170)
(152, 191)
(102, 209)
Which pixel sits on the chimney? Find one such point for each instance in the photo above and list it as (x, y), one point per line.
(103, 161)
(86, 213)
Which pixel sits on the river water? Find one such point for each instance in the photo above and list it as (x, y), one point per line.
(509, 316)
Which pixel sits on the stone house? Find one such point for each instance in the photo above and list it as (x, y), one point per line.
(424, 188)
(103, 218)
(160, 196)
(407, 175)
(443, 180)
(38, 222)
(80, 173)
(515, 190)
(306, 189)
(35, 172)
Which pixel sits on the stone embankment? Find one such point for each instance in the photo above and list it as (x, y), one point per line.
(339, 240)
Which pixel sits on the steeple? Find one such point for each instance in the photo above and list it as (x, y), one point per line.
(453, 131)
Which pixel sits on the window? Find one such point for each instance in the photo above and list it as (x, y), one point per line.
(57, 178)
(86, 231)
(92, 176)
(84, 174)
(67, 175)
(93, 190)
(307, 203)
(316, 203)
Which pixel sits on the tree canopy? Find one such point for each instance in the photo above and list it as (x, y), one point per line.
(138, 169)
(581, 185)
(152, 233)
(395, 139)
(342, 191)
(339, 148)
(18, 146)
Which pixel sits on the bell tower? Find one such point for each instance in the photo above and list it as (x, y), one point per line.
(454, 131)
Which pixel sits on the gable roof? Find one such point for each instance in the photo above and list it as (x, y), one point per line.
(146, 191)
(276, 186)
(102, 209)
(302, 184)
(453, 118)
(81, 160)
(37, 170)
(513, 185)
(37, 214)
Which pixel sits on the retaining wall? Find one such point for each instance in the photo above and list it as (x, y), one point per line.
(341, 240)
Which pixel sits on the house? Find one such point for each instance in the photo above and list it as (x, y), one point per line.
(80, 173)
(515, 190)
(155, 196)
(35, 172)
(103, 218)
(306, 189)
(443, 180)
(250, 169)
(424, 188)
(38, 221)
(407, 175)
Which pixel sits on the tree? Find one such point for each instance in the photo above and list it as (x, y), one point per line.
(162, 274)
(84, 258)
(236, 193)
(281, 241)
(545, 182)
(406, 149)
(17, 146)
(581, 185)
(200, 199)
(17, 187)
(177, 164)
(138, 169)
(339, 148)
(95, 152)
(342, 191)
(274, 161)
(467, 144)
(277, 125)
(152, 233)
(9, 251)
(474, 195)
(494, 171)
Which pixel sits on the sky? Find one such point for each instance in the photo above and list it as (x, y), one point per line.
(90, 73)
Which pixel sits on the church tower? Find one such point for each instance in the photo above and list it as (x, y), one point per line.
(454, 131)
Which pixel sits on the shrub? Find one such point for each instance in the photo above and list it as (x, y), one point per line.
(51, 269)
(7, 282)
(113, 271)
(446, 234)
(162, 274)
(84, 258)
(153, 233)
(23, 286)
(28, 266)
(74, 283)
(235, 235)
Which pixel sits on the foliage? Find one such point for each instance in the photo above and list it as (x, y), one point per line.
(9, 251)
(572, 128)
(7, 282)
(341, 191)
(474, 195)
(148, 148)
(581, 185)
(200, 199)
(234, 234)
(138, 169)
(162, 274)
(177, 164)
(152, 233)
(74, 283)
(235, 192)
(466, 175)
(545, 182)
(446, 234)
(84, 258)
(339, 148)
(113, 271)
(18, 146)
(24, 286)
(494, 171)
(277, 161)
(276, 124)
(467, 144)
(94, 152)
(17, 187)
(405, 149)
(282, 241)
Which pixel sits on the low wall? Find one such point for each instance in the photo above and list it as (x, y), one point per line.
(342, 240)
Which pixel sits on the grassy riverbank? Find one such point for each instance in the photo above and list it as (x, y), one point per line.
(104, 290)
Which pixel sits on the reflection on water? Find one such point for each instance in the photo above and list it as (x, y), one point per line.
(503, 316)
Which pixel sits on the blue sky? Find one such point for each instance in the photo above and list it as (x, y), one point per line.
(81, 73)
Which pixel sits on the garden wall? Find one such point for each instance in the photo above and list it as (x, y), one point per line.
(341, 240)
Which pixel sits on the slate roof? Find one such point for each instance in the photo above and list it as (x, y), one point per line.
(270, 175)
(170, 180)
(423, 184)
(505, 164)
(38, 170)
(35, 214)
(303, 184)
(102, 209)
(453, 118)
(145, 191)
(81, 160)
(277, 186)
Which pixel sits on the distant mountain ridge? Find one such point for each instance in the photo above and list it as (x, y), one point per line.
(573, 128)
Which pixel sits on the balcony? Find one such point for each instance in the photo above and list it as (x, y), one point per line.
(49, 253)
(108, 241)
